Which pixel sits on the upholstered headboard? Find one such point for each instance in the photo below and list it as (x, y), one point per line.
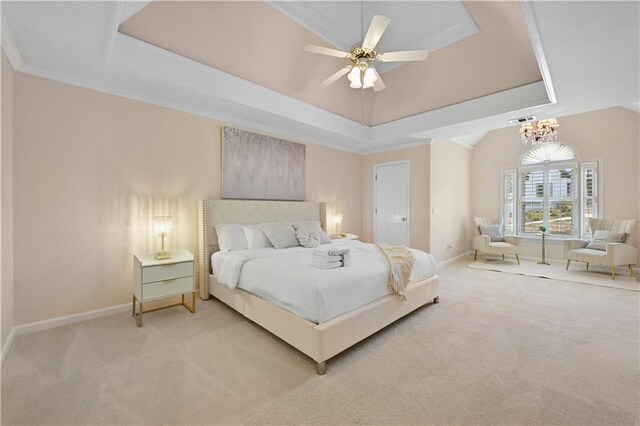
(214, 212)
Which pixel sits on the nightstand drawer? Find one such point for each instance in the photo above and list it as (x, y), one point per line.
(152, 274)
(167, 288)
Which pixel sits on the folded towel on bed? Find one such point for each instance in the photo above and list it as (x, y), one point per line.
(321, 258)
(324, 252)
(331, 265)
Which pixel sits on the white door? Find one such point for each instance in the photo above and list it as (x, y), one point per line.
(391, 203)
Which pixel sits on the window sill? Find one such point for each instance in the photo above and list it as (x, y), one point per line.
(548, 239)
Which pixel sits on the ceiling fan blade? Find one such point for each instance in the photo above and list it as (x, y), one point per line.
(404, 56)
(378, 25)
(336, 76)
(325, 51)
(378, 85)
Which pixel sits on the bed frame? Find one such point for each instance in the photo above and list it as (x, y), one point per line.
(318, 341)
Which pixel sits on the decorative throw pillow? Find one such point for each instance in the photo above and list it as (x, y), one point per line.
(256, 238)
(231, 237)
(602, 238)
(307, 238)
(493, 231)
(281, 235)
(313, 226)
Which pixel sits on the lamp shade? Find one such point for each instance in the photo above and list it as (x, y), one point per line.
(337, 219)
(162, 225)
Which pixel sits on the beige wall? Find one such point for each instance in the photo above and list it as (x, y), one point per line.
(419, 158)
(450, 200)
(610, 136)
(91, 169)
(6, 188)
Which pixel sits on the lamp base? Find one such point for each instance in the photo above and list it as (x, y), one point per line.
(163, 255)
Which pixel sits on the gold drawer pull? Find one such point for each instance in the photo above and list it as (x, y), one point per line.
(169, 281)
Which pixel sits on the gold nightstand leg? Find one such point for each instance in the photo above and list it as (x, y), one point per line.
(191, 308)
(137, 317)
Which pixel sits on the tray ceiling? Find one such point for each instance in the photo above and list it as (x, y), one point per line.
(78, 43)
(472, 44)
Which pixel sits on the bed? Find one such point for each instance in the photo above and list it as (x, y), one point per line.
(320, 313)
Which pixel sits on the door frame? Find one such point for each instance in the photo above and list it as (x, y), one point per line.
(375, 201)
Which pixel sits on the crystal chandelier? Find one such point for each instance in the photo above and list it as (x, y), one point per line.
(538, 132)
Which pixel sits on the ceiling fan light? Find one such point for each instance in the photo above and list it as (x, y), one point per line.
(356, 84)
(370, 77)
(354, 75)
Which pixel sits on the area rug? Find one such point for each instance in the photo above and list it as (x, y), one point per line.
(596, 275)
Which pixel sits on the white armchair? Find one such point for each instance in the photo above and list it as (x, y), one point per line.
(616, 254)
(482, 243)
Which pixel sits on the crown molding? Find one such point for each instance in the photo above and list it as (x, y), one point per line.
(304, 12)
(396, 146)
(507, 101)
(111, 30)
(9, 46)
(189, 74)
(536, 41)
(130, 8)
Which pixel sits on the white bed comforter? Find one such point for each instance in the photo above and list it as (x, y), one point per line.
(286, 278)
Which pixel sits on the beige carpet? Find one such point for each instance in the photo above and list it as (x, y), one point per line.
(498, 349)
(577, 273)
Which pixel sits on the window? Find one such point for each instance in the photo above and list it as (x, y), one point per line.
(550, 189)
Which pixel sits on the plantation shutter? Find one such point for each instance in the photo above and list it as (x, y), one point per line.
(509, 201)
(589, 196)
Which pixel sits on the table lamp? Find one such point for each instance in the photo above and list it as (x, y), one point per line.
(337, 219)
(162, 226)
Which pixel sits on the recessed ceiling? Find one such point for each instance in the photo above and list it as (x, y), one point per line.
(264, 45)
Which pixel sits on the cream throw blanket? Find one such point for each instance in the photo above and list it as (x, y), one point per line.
(401, 262)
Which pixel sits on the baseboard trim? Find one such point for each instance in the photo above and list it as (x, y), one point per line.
(7, 345)
(635, 269)
(70, 319)
(453, 259)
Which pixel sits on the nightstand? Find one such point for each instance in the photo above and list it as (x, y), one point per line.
(344, 237)
(155, 279)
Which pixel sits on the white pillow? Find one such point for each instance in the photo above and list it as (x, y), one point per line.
(255, 237)
(602, 238)
(495, 232)
(231, 237)
(281, 235)
(313, 226)
(306, 238)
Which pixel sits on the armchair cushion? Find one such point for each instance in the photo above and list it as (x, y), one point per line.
(513, 239)
(502, 248)
(570, 245)
(602, 238)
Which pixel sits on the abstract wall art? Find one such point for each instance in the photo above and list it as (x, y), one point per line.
(259, 167)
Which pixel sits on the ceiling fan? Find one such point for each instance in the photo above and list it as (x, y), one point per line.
(361, 73)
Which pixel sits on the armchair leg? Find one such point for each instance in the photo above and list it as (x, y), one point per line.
(587, 266)
(475, 256)
(613, 273)
(630, 271)
(502, 256)
(568, 262)
(518, 258)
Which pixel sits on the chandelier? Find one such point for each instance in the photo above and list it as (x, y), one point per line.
(538, 132)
